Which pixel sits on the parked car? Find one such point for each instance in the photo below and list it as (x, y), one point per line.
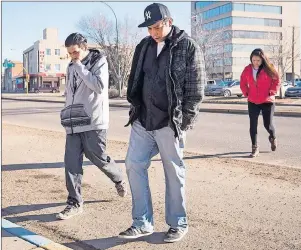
(226, 89)
(294, 91)
(47, 90)
(211, 84)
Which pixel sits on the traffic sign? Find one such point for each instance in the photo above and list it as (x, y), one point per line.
(8, 64)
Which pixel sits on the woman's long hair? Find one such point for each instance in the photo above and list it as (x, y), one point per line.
(266, 65)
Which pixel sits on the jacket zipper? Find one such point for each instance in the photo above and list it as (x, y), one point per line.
(71, 113)
(73, 93)
(178, 132)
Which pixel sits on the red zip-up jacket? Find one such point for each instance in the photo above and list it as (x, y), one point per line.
(261, 91)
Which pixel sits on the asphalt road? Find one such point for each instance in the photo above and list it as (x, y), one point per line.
(219, 135)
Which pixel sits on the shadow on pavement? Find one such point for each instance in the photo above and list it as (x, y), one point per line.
(221, 155)
(13, 167)
(42, 165)
(12, 210)
(107, 243)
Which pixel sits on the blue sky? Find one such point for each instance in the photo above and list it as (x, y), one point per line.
(23, 22)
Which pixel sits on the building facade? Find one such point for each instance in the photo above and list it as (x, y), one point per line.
(13, 78)
(46, 62)
(245, 26)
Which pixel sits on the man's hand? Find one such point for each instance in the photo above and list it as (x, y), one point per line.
(75, 56)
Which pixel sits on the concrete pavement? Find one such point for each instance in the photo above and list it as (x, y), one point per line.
(12, 242)
(16, 237)
(286, 107)
(230, 204)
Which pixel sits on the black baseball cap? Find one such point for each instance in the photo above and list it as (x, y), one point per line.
(154, 13)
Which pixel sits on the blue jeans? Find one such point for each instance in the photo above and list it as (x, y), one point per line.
(143, 146)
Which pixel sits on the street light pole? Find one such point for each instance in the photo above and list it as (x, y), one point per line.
(26, 71)
(293, 57)
(117, 47)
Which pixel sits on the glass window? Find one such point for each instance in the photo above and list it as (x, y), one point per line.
(241, 61)
(257, 21)
(203, 4)
(217, 11)
(218, 23)
(57, 52)
(48, 67)
(48, 52)
(238, 6)
(57, 67)
(257, 8)
(228, 61)
(256, 35)
(228, 48)
(273, 22)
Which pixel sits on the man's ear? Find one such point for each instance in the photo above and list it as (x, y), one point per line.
(84, 47)
(170, 21)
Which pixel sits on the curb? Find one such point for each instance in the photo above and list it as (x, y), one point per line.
(245, 103)
(31, 237)
(30, 100)
(209, 110)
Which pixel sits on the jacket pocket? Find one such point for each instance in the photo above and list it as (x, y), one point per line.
(179, 71)
(75, 115)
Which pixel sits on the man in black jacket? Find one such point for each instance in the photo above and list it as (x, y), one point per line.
(165, 88)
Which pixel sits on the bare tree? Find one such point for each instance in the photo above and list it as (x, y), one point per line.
(280, 52)
(101, 30)
(213, 43)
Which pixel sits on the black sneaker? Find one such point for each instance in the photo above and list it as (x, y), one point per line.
(133, 233)
(273, 142)
(255, 151)
(175, 234)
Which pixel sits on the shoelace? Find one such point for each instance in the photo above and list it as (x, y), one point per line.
(173, 230)
(133, 229)
(120, 186)
(68, 208)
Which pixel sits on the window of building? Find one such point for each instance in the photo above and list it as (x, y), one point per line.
(48, 52)
(257, 21)
(57, 67)
(218, 24)
(240, 61)
(217, 11)
(256, 35)
(238, 6)
(57, 52)
(203, 4)
(48, 67)
(257, 8)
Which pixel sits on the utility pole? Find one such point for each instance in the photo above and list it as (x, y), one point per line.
(117, 47)
(293, 57)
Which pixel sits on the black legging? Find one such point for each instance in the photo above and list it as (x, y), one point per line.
(267, 114)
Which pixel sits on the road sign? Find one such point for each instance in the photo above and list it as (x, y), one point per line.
(8, 64)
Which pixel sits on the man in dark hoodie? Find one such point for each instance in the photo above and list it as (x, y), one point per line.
(86, 120)
(165, 88)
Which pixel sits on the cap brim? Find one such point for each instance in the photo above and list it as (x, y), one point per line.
(147, 23)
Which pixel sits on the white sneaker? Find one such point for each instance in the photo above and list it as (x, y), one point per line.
(70, 211)
(121, 188)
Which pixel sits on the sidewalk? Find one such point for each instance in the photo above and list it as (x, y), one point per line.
(284, 107)
(11, 242)
(232, 204)
(16, 237)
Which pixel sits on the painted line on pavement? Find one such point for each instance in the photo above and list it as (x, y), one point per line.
(31, 237)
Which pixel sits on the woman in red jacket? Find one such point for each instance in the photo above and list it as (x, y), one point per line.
(259, 82)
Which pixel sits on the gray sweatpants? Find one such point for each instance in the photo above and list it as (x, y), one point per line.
(93, 144)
